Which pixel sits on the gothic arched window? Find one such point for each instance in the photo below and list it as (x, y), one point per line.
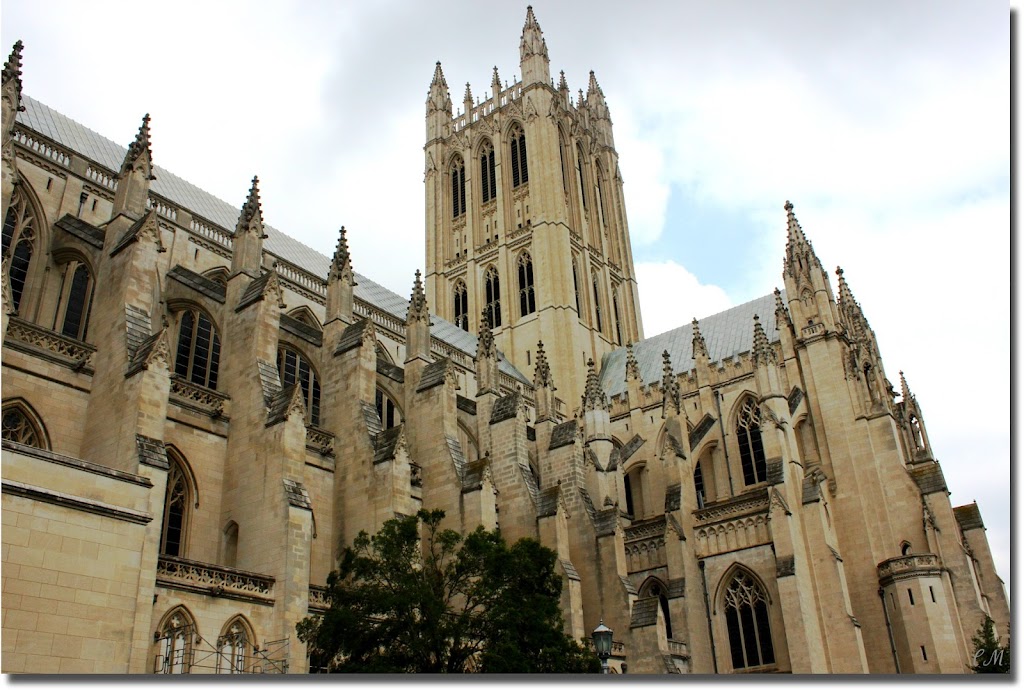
(633, 482)
(576, 287)
(615, 310)
(74, 301)
(748, 435)
(21, 426)
(488, 183)
(458, 175)
(600, 196)
(527, 298)
(597, 304)
(19, 237)
(746, 617)
(178, 501)
(654, 588)
(175, 643)
(198, 354)
(517, 146)
(233, 647)
(492, 290)
(390, 415)
(294, 368)
(698, 485)
(460, 296)
(580, 175)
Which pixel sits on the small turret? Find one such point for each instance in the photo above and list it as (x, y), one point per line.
(417, 323)
(249, 235)
(671, 400)
(10, 94)
(439, 105)
(467, 100)
(632, 366)
(766, 370)
(700, 348)
(486, 358)
(543, 385)
(533, 52)
(135, 176)
(495, 83)
(762, 351)
(340, 282)
(912, 420)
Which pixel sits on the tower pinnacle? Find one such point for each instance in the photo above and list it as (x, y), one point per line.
(700, 348)
(533, 52)
(139, 152)
(12, 72)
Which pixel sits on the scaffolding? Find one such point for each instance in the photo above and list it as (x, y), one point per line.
(183, 651)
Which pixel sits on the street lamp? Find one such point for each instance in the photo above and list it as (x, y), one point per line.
(603, 644)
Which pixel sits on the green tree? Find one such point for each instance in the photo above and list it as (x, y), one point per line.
(989, 656)
(412, 599)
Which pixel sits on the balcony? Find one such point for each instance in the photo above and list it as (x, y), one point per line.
(199, 399)
(910, 566)
(35, 340)
(217, 581)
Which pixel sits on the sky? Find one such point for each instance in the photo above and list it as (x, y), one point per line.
(886, 124)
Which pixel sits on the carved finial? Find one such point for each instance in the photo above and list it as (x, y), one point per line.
(593, 87)
(669, 384)
(438, 76)
(341, 261)
(251, 208)
(594, 397)
(12, 71)
(495, 82)
(762, 350)
(467, 99)
(485, 339)
(542, 370)
(632, 366)
(905, 390)
(580, 100)
(297, 403)
(562, 84)
(438, 98)
(140, 149)
(700, 348)
(418, 301)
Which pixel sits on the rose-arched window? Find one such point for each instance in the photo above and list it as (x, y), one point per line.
(233, 648)
(174, 643)
(20, 426)
(74, 301)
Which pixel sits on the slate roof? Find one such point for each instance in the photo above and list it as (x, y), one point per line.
(727, 333)
(82, 230)
(645, 613)
(968, 516)
(94, 146)
(201, 284)
(929, 478)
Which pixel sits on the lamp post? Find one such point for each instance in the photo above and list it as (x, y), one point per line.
(603, 644)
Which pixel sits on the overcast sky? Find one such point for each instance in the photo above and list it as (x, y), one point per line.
(886, 124)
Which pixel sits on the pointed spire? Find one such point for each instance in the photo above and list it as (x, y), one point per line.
(905, 390)
(780, 307)
(563, 85)
(485, 339)
(12, 71)
(580, 101)
(341, 259)
(632, 366)
(594, 397)
(542, 370)
(800, 256)
(669, 384)
(418, 300)
(533, 52)
(762, 350)
(251, 209)
(139, 151)
(532, 42)
(593, 87)
(467, 100)
(438, 98)
(495, 83)
(849, 308)
(700, 348)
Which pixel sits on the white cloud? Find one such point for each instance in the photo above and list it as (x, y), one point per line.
(671, 296)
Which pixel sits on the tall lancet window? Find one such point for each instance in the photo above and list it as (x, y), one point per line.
(198, 355)
(581, 176)
(74, 301)
(294, 368)
(19, 238)
(460, 296)
(458, 187)
(517, 147)
(488, 183)
(615, 311)
(576, 287)
(178, 502)
(492, 291)
(746, 617)
(748, 435)
(527, 298)
(597, 304)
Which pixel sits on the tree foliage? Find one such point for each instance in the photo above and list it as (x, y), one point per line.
(989, 656)
(443, 603)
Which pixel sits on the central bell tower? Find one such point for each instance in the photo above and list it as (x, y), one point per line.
(526, 221)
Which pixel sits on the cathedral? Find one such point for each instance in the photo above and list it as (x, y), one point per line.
(200, 413)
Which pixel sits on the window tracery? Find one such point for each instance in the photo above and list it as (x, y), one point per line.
(198, 353)
(748, 435)
(746, 617)
(294, 368)
(488, 182)
(460, 297)
(492, 290)
(19, 240)
(527, 297)
(517, 146)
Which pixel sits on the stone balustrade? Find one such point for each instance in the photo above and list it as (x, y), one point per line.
(36, 340)
(909, 566)
(209, 579)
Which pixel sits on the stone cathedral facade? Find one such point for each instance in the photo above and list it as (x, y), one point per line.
(199, 413)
